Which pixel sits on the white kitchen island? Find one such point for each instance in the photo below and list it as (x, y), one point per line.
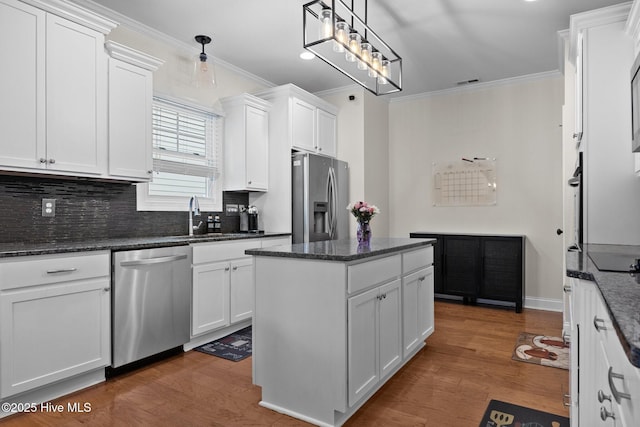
(334, 321)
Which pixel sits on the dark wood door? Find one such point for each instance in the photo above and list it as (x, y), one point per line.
(461, 265)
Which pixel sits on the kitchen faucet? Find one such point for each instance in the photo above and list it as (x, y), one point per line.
(194, 210)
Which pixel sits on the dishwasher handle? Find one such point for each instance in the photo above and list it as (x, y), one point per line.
(149, 261)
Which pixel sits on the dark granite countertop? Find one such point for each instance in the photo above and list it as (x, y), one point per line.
(341, 250)
(121, 244)
(620, 291)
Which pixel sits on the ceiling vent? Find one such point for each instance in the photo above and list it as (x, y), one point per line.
(468, 82)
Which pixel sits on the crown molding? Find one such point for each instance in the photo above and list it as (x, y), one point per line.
(74, 12)
(633, 24)
(481, 86)
(592, 18)
(132, 56)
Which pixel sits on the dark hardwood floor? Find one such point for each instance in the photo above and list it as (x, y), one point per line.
(466, 363)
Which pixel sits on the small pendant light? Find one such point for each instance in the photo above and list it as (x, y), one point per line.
(203, 72)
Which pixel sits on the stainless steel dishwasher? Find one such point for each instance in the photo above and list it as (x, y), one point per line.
(151, 296)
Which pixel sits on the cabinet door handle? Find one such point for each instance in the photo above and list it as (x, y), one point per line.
(599, 324)
(566, 289)
(616, 394)
(52, 161)
(602, 397)
(43, 160)
(235, 268)
(604, 414)
(62, 270)
(420, 279)
(106, 289)
(249, 182)
(226, 269)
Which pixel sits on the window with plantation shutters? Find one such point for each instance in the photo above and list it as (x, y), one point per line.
(186, 143)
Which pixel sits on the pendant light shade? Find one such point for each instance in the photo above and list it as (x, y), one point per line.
(335, 33)
(203, 71)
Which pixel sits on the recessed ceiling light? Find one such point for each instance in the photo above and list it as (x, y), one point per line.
(306, 55)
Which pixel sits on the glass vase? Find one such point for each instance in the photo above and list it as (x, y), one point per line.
(363, 233)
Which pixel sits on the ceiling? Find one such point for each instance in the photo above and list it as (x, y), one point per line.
(442, 42)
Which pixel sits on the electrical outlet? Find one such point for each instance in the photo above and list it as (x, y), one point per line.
(48, 207)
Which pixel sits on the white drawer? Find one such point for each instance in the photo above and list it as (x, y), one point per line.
(220, 251)
(417, 259)
(34, 270)
(367, 274)
(276, 241)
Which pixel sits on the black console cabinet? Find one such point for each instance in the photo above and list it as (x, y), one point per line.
(479, 266)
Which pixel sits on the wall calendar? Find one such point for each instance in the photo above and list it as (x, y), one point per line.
(466, 182)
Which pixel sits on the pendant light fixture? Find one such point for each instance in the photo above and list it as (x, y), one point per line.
(334, 32)
(203, 72)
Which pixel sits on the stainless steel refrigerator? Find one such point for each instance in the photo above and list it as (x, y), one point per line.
(320, 195)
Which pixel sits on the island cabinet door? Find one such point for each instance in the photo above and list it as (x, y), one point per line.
(375, 337)
(417, 298)
(363, 344)
(390, 327)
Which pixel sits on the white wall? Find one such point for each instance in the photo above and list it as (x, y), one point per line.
(174, 76)
(516, 122)
(363, 131)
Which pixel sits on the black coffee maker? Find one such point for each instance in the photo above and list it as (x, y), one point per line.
(249, 220)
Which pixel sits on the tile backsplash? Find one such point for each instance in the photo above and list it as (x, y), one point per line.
(88, 209)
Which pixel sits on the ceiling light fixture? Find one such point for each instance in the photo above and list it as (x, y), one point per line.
(203, 72)
(337, 35)
(306, 55)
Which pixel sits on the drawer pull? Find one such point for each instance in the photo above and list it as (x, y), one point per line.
(599, 324)
(602, 397)
(62, 270)
(617, 394)
(604, 414)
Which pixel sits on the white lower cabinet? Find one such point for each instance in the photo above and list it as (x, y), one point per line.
(210, 307)
(54, 319)
(223, 283)
(608, 385)
(374, 323)
(241, 290)
(418, 316)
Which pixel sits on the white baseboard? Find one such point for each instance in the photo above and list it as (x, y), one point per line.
(544, 304)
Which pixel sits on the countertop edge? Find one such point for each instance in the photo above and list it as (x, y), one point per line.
(123, 244)
(365, 252)
(609, 284)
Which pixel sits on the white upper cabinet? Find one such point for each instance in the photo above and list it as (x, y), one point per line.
(303, 125)
(246, 143)
(54, 105)
(130, 112)
(327, 131)
(22, 118)
(309, 123)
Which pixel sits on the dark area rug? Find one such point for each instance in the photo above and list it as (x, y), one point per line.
(235, 346)
(502, 414)
(541, 350)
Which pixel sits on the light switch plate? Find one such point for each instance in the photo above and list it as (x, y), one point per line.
(49, 207)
